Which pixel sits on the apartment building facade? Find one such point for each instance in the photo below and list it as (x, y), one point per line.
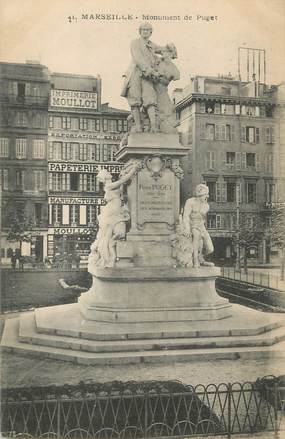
(24, 91)
(233, 131)
(83, 137)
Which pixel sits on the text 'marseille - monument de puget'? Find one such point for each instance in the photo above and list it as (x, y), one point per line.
(153, 295)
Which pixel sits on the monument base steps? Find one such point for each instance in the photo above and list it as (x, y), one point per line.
(47, 334)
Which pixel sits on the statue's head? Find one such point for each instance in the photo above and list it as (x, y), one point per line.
(103, 176)
(202, 191)
(145, 30)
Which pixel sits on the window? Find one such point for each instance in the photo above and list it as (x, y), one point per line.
(4, 147)
(39, 180)
(74, 182)
(251, 192)
(56, 214)
(112, 125)
(125, 125)
(59, 181)
(250, 134)
(38, 213)
(268, 111)
(21, 90)
(56, 151)
(21, 148)
(39, 120)
(88, 183)
(217, 108)
(83, 123)
(74, 215)
(210, 159)
(223, 132)
(218, 221)
(57, 123)
(94, 124)
(211, 221)
(230, 159)
(20, 176)
(21, 119)
(93, 152)
(66, 123)
(120, 125)
(269, 163)
(50, 122)
(105, 124)
(74, 151)
(271, 192)
(231, 192)
(257, 111)
(66, 151)
(4, 179)
(229, 109)
(74, 123)
(212, 190)
(210, 131)
(39, 149)
(270, 137)
(250, 160)
(92, 214)
(83, 149)
(237, 109)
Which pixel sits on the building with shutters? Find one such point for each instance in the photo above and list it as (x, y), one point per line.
(234, 133)
(83, 137)
(24, 91)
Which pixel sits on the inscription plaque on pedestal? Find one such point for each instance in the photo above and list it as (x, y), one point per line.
(155, 198)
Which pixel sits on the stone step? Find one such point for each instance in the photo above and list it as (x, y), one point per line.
(28, 334)
(244, 322)
(10, 343)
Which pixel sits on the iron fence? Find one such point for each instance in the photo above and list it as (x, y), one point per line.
(254, 277)
(224, 409)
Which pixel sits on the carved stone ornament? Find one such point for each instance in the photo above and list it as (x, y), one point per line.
(178, 171)
(155, 165)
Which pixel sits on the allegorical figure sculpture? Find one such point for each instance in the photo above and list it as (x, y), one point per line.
(194, 218)
(148, 76)
(112, 220)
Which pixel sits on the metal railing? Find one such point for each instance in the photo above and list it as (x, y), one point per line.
(224, 409)
(253, 277)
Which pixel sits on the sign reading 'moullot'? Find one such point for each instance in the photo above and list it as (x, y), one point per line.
(73, 99)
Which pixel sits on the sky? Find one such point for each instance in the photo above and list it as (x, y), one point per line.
(41, 30)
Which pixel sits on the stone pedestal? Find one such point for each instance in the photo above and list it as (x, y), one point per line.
(154, 295)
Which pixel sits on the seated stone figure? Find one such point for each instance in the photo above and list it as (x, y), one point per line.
(194, 218)
(112, 221)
